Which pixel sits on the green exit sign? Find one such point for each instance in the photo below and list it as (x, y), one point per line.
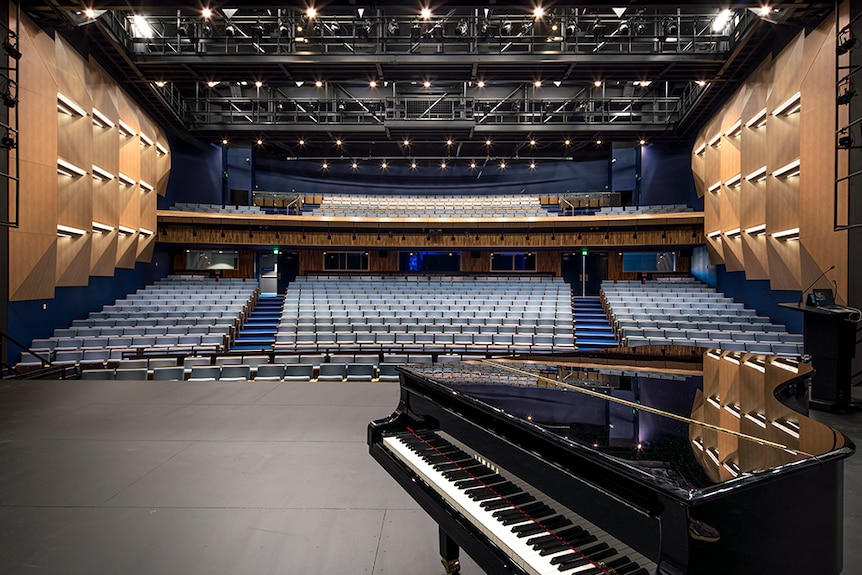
(583, 251)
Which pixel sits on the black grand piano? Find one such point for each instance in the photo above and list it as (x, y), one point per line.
(635, 461)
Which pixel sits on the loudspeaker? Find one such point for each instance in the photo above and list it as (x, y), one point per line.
(383, 253)
(475, 254)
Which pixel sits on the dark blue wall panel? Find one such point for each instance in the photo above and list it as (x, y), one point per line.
(758, 295)
(623, 169)
(239, 168)
(196, 175)
(666, 176)
(28, 319)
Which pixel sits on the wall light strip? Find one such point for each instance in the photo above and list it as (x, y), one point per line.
(788, 427)
(733, 410)
(145, 139)
(734, 181)
(714, 187)
(733, 233)
(102, 174)
(700, 149)
(785, 363)
(731, 467)
(714, 140)
(102, 228)
(714, 401)
(713, 454)
(69, 169)
(789, 234)
(126, 180)
(126, 129)
(758, 230)
(145, 231)
(757, 175)
(714, 235)
(102, 120)
(789, 106)
(788, 170)
(734, 129)
(145, 185)
(758, 365)
(161, 150)
(757, 120)
(125, 230)
(68, 106)
(757, 418)
(69, 231)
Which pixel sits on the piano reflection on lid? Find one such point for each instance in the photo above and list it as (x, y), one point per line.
(626, 461)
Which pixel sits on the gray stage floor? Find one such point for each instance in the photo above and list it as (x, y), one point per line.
(222, 478)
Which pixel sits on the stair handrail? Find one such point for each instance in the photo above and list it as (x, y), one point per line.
(5, 336)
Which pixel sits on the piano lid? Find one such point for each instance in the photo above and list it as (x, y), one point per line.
(687, 419)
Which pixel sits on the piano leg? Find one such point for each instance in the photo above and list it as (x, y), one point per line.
(449, 553)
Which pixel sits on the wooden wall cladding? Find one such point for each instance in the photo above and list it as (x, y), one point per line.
(736, 155)
(40, 260)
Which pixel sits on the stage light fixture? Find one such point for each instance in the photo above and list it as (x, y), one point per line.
(9, 100)
(846, 41)
(845, 140)
(11, 49)
(8, 141)
(392, 27)
(415, 33)
(461, 28)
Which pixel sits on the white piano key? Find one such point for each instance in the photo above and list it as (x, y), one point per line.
(512, 545)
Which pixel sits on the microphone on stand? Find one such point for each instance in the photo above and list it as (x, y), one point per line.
(802, 295)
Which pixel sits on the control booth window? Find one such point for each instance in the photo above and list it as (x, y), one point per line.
(649, 262)
(513, 262)
(211, 260)
(345, 261)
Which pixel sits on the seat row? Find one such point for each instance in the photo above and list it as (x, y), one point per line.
(786, 349)
(427, 343)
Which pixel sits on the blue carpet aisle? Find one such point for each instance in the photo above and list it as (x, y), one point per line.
(592, 328)
(258, 331)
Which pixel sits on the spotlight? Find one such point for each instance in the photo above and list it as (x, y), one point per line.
(283, 30)
(506, 28)
(572, 29)
(258, 30)
(363, 30)
(11, 49)
(392, 28)
(185, 30)
(230, 31)
(847, 95)
(671, 28)
(9, 100)
(846, 41)
(8, 141)
(415, 33)
(461, 28)
(845, 140)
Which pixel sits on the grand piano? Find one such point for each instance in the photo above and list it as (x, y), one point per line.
(630, 461)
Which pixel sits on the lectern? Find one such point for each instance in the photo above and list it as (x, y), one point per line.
(830, 340)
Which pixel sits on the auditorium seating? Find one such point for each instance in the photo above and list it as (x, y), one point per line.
(437, 206)
(176, 315)
(217, 208)
(426, 314)
(684, 311)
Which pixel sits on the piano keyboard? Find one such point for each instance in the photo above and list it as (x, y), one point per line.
(527, 528)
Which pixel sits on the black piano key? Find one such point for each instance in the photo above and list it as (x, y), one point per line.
(456, 474)
(640, 571)
(486, 482)
(531, 510)
(500, 490)
(569, 560)
(578, 557)
(618, 562)
(564, 534)
(588, 551)
(538, 515)
(604, 554)
(627, 568)
(526, 530)
(555, 547)
(519, 499)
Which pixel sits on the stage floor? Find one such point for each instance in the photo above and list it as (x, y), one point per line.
(224, 478)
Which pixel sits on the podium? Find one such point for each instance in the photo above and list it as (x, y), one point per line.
(830, 340)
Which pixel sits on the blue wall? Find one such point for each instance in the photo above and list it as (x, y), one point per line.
(754, 294)
(196, 175)
(28, 319)
(758, 295)
(666, 176)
